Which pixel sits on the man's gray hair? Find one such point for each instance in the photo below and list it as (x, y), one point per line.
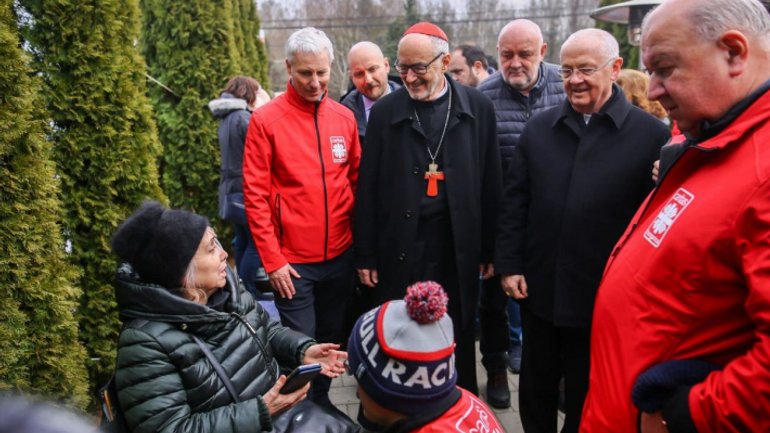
(438, 45)
(308, 40)
(608, 45)
(711, 18)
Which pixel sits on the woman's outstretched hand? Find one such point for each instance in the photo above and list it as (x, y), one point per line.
(277, 402)
(332, 360)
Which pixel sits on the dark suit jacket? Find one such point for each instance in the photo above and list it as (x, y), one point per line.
(355, 101)
(570, 191)
(391, 184)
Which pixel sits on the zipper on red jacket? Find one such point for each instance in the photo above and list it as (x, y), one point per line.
(323, 179)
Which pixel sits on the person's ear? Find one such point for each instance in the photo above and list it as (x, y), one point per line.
(387, 64)
(735, 47)
(543, 50)
(445, 60)
(616, 66)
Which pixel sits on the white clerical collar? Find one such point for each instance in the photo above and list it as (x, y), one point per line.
(443, 92)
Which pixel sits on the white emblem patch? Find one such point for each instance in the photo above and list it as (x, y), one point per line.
(339, 150)
(667, 216)
(480, 417)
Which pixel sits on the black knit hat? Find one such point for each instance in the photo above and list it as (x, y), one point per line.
(159, 243)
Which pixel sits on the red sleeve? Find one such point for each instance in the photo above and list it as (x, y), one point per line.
(257, 157)
(736, 398)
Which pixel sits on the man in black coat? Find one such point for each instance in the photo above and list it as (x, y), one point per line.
(576, 178)
(525, 86)
(429, 188)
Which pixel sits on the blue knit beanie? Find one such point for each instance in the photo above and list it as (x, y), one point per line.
(402, 352)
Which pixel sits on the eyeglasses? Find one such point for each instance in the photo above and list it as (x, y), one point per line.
(566, 73)
(417, 68)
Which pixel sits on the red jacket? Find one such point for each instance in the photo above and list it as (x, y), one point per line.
(690, 279)
(468, 415)
(300, 166)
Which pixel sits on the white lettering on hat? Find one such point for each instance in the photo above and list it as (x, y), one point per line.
(437, 378)
(372, 353)
(420, 376)
(395, 369)
(366, 332)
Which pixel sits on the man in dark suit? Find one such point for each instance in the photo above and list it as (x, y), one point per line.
(577, 176)
(429, 188)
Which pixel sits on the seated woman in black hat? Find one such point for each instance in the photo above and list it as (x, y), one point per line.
(175, 285)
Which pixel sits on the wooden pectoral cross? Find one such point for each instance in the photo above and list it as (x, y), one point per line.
(433, 176)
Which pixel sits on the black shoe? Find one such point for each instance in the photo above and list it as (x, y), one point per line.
(498, 394)
(514, 359)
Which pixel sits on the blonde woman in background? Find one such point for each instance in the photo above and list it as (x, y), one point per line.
(634, 85)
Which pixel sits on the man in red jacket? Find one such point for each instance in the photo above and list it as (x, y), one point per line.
(300, 167)
(681, 327)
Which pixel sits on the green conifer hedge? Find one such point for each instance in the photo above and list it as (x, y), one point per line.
(253, 56)
(39, 347)
(105, 142)
(190, 46)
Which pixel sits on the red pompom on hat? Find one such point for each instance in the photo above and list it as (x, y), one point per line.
(426, 28)
(426, 302)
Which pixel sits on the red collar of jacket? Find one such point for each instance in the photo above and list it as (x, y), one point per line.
(298, 101)
(756, 113)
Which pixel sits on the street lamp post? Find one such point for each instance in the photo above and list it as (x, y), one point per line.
(629, 12)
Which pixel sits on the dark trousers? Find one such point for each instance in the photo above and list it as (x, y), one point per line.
(465, 341)
(549, 353)
(247, 259)
(493, 322)
(445, 273)
(514, 319)
(433, 258)
(320, 306)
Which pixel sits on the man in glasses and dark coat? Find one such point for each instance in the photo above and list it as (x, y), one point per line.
(578, 174)
(429, 188)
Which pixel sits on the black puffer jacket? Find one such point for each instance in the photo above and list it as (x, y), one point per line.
(513, 110)
(235, 116)
(164, 381)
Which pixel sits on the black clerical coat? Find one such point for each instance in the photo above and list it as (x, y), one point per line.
(570, 191)
(391, 186)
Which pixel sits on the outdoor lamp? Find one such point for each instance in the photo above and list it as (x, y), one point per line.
(629, 12)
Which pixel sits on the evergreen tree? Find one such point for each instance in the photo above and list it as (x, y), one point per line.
(39, 347)
(105, 142)
(397, 28)
(253, 55)
(628, 52)
(188, 46)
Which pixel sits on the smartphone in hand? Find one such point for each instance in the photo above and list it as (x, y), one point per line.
(299, 377)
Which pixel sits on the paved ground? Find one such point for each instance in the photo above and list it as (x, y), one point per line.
(343, 394)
